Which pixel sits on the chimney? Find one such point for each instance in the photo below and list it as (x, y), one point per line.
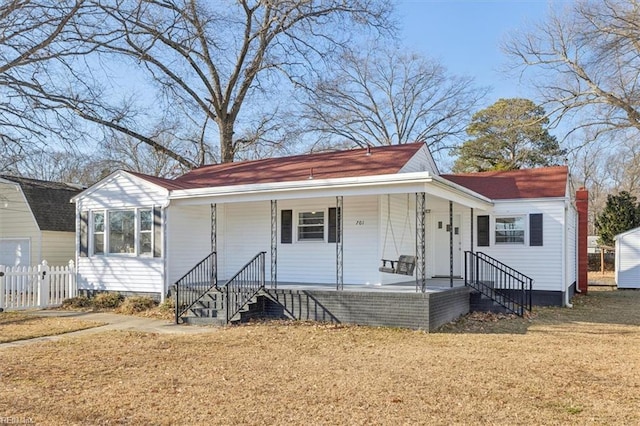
(582, 205)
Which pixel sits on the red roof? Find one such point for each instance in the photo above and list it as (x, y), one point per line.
(544, 182)
(326, 165)
(162, 182)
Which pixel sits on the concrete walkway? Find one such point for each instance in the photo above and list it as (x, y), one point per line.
(111, 322)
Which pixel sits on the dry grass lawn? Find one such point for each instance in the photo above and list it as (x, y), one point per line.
(20, 326)
(560, 366)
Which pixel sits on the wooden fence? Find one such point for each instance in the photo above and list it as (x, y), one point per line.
(42, 286)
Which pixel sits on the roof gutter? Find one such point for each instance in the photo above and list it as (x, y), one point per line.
(416, 179)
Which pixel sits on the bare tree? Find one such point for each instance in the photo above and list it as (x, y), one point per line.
(212, 58)
(384, 97)
(34, 34)
(586, 61)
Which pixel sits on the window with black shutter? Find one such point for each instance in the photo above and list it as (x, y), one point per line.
(535, 229)
(483, 231)
(286, 226)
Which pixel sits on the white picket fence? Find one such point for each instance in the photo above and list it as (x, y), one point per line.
(42, 286)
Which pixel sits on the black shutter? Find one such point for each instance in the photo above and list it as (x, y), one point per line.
(84, 234)
(483, 231)
(157, 232)
(334, 217)
(535, 229)
(286, 226)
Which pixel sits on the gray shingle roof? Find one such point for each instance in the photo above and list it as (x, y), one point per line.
(49, 202)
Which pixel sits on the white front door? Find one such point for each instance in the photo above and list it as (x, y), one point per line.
(441, 234)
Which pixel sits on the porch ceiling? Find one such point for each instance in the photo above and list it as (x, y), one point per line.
(400, 183)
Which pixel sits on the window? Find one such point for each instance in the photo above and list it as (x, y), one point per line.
(311, 226)
(146, 226)
(98, 232)
(127, 231)
(122, 231)
(510, 230)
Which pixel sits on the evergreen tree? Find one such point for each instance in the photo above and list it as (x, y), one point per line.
(510, 134)
(621, 213)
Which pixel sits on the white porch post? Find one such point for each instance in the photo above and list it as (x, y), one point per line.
(214, 242)
(339, 242)
(451, 244)
(274, 244)
(421, 273)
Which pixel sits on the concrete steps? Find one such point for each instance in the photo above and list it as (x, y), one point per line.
(209, 310)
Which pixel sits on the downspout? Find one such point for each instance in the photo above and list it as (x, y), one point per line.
(165, 254)
(567, 302)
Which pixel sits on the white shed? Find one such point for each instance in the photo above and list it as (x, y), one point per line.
(628, 259)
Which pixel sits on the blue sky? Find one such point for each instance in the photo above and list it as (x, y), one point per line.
(465, 36)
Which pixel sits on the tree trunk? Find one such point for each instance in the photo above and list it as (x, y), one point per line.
(227, 151)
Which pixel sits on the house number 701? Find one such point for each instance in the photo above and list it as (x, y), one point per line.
(359, 222)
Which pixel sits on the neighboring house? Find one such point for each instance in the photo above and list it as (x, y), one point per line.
(37, 221)
(628, 259)
(592, 244)
(328, 219)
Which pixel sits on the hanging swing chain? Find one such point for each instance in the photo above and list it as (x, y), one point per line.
(406, 225)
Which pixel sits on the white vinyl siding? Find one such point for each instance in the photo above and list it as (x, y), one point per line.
(132, 274)
(58, 247)
(17, 221)
(120, 272)
(422, 161)
(189, 238)
(542, 263)
(628, 259)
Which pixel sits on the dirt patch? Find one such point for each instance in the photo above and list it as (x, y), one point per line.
(560, 366)
(20, 326)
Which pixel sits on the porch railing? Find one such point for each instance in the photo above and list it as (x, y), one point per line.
(499, 282)
(244, 285)
(195, 284)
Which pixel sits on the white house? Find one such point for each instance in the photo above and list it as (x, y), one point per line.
(328, 219)
(37, 221)
(628, 259)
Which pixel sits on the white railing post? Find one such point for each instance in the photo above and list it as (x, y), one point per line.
(43, 284)
(2, 280)
(71, 277)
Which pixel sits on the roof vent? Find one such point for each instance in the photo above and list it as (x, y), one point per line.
(368, 150)
(310, 173)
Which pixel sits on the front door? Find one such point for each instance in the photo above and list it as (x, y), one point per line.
(441, 233)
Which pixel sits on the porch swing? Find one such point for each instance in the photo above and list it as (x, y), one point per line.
(405, 264)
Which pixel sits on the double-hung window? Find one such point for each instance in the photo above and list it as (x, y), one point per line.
(125, 231)
(510, 230)
(98, 232)
(311, 226)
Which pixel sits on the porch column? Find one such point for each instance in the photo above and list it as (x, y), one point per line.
(214, 241)
(274, 244)
(471, 248)
(421, 273)
(451, 244)
(339, 242)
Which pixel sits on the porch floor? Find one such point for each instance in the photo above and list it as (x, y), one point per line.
(433, 285)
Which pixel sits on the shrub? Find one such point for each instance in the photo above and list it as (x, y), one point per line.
(76, 302)
(135, 304)
(107, 300)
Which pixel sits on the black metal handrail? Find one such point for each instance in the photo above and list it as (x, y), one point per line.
(244, 285)
(498, 281)
(195, 284)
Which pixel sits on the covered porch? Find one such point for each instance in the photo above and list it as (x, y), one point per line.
(331, 234)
